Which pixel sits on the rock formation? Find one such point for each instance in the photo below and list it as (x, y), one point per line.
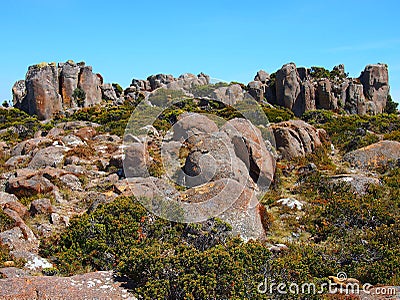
(49, 88)
(297, 138)
(300, 90)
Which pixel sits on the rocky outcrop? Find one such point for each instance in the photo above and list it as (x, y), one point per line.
(184, 82)
(300, 90)
(90, 83)
(288, 90)
(41, 95)
(49, 88)
(297, 138)
(375, 80)
(377, 155)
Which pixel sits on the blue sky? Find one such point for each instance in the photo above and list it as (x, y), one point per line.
(230, 40)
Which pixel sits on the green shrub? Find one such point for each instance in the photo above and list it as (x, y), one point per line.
(20, 125)
(277, 114)
(391, 106)
(350, 132)
(319, 72)
(79, 96)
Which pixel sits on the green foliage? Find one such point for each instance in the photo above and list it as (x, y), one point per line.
(393, 136)
(319, 72)
(356, 234)
(98, 240)
(391, 106)
(206, 90)
(277, 114)
(20, 125)
(5, 221)
(5, 104)
(230, 271)
(118, 88)
(79, 96)
(350, 132)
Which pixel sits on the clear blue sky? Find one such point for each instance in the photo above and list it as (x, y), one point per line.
(229, 40)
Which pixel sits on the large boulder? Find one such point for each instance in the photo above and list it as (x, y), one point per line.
(380, 154)
(296, 138)
(375, 80)
(42, 86)
(90, 83)
(191, 123)
(326, 99)
(49, 88)
(69, 76)
(19, 92)
(26, 186)
(51, 156)
(288, 89)
(229, 95)
(355, 100)
(250, 147)
(108, 92)
(212, 157)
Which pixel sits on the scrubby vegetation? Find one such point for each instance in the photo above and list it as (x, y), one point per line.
(350, 132)
(16, 125)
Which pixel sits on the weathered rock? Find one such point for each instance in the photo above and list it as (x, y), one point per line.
(6, 197)
(256, 89)
(250, 147)
(17, 161)
(16, 206)
(108, 92)
(51, 156)
(375, 80)
(86, 133)
(72, 182)
(97, 285)
(380, 154)
(192, 123)
(19, 92)
(262, 76)
(136, 160)
(27, 147)
(48, 89)
(236, 205)
(58, 220)
(41, 206)
(212, 157)
(358, 183)
(12, 272)
(297, 138)
(355, 100)
(90, 83)
(55, 132)
(71, 140)
(42, 97)
(69, 76)
(25, 186)
(160, 80)
(10, 201)
(288, 89)
(308, 93)
(326, 99)
(19, 238)
(229, 95)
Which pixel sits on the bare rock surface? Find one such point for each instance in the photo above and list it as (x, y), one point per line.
(95, 285)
